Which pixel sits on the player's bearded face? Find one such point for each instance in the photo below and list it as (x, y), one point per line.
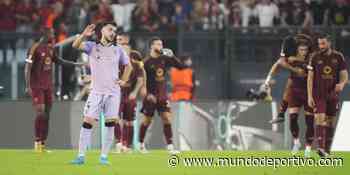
(157, 46)
(109, 32)
(323, 44)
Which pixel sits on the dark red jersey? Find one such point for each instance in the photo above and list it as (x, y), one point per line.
(156, 70)
(327, 66)
(136, 73)
(41, 73)
(298, 81)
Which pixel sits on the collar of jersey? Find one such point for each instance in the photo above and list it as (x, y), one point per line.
(111, 45)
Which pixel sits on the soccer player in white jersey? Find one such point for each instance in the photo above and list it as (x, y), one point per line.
(104, 59)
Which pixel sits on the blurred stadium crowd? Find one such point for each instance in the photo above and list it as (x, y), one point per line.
(70, 16)
(67, 17)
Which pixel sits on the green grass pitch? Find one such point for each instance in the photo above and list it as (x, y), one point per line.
(27, 162)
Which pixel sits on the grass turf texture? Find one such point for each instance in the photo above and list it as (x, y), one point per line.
(27, 162)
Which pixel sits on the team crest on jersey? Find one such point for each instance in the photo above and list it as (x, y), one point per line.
(43, 54)
(327, 70)
(160, 74)
(47, 60)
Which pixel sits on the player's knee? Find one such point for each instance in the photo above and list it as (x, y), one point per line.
(110, 123)
(293, 115)
(166, 118)
(147, 120)
(40, 109)
(129, 123)
(87, 125)
(293, 111)
(308, 114)
(320, 119)
(334, 122)
(330, 121)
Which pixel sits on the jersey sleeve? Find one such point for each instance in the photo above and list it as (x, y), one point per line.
(124, 58)
(31, 54)
(174, 62)
(312, 62)
(88, 45)
(139, 72)
(342, 62)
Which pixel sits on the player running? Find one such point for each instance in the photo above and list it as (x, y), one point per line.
(326, 79)
(38, 77)
(105, 59)
(156, 65)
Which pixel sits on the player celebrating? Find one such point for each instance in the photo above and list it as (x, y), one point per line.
(104, 58)
(155, 66)
(298, 98)
(38, 74)
(326, 79)
(288, 49)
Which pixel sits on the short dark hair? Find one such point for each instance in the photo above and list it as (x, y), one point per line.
(135, 55)
(155, 38)
(184, 57)
(324, 36)
(123, 34)
(100, 25)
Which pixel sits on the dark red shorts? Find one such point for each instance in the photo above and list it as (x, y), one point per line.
(148, 107)
(42, 96)
(297, 99)
(328, 106)
(127, 109)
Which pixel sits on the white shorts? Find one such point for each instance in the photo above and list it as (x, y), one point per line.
(102, 103)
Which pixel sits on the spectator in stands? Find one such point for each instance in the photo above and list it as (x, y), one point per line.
(54, 15)
(247, 12)
(266, 11)
(7, 24)
(165, 24)
(234, 15)
(284, 9)
(26, 17)
(213, 15)
(197, 15)
(339, 13)
(299, 15)
(76, 16)
(43, 12)
(166, 8)
(122, 14)
(179, 17)
(319, 10)
(145, 16)
(103, 13)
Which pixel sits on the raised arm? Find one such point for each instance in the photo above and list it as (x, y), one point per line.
(79, 41)
(67, 62)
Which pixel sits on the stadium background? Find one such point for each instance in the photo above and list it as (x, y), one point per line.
(230, 56)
